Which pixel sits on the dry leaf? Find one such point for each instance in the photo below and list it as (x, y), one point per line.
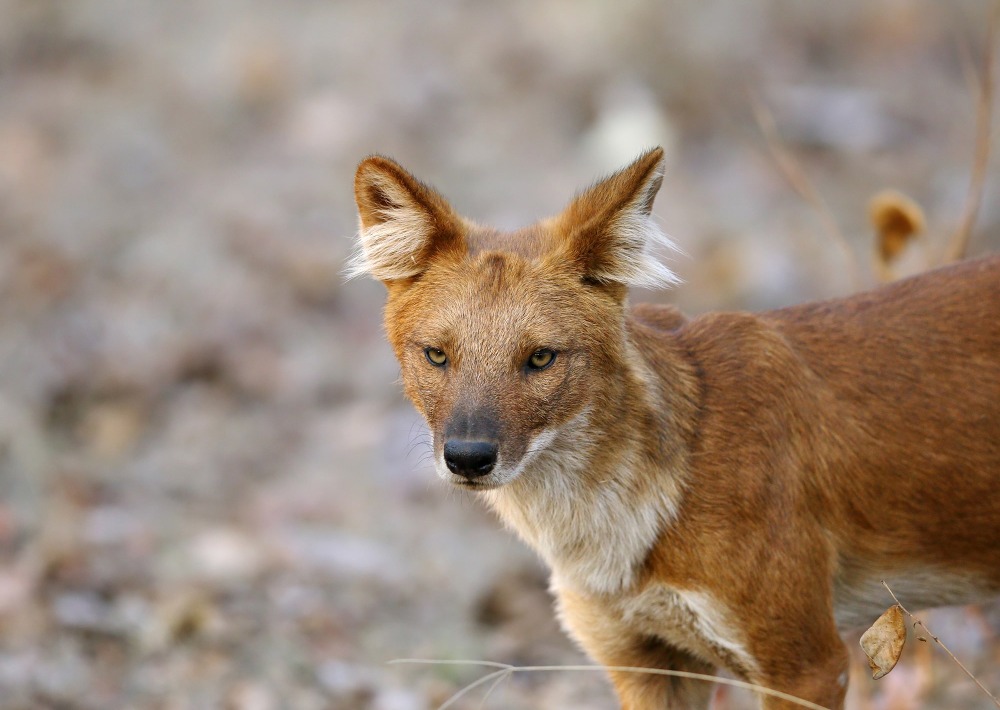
(896, 219)
(883, 642)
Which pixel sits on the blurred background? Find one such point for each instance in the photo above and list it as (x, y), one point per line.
(212, 493)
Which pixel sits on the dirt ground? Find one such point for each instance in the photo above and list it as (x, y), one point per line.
(212, 494)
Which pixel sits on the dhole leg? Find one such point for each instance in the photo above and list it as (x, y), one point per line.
(821, 678)
(606, 642)
(647, 691)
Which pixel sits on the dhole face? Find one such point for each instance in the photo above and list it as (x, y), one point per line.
(499, 352)
(504, 338)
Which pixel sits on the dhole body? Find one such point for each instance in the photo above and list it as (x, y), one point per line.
(722, 491)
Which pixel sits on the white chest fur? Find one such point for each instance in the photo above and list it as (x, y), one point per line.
(592, 528)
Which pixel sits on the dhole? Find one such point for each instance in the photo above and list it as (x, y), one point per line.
(721, 491)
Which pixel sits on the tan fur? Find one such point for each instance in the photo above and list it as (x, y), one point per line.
(721, 491)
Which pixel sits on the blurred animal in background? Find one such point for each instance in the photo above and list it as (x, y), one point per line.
(722, 491)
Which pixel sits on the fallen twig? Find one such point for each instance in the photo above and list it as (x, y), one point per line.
(796, 177)
(506, 670)
(940, 643)
(959, 242)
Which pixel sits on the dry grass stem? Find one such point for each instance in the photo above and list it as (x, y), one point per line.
(797, 179)
(940, 643)
(505, 670)
(959, 242)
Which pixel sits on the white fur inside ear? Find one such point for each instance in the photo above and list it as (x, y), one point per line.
(638, 244)
(391, 247)
(635, 244)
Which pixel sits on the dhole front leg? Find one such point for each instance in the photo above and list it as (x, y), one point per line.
(648, 691)
(803, 655)
(824, 683)
(605, 640)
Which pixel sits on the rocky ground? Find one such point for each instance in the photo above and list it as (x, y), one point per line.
(211, 491)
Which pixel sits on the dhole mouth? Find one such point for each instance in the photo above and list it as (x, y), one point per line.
(475, 485)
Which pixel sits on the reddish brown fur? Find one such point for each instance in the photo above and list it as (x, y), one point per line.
(711, 492)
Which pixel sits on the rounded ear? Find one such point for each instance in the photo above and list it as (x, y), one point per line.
(609, 232)
(402, 222)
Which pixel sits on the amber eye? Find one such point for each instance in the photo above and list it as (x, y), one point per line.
(436, 357)
(540, 359)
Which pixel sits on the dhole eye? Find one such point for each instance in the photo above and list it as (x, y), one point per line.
(540, 359)
(436, 357)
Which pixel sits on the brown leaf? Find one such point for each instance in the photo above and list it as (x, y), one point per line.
(883, 642)
(896, 219)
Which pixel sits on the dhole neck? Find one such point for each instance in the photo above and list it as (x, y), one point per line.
(609, 485)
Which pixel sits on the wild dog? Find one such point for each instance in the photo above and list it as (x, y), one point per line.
(721, 491)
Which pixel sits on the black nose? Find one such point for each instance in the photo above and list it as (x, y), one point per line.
(470, 458)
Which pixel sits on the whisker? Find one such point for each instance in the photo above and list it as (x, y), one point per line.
(416, 445)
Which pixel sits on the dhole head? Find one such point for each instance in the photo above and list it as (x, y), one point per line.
(506, 340)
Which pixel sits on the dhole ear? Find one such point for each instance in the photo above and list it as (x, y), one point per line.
(403, 222)
(609, 230)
